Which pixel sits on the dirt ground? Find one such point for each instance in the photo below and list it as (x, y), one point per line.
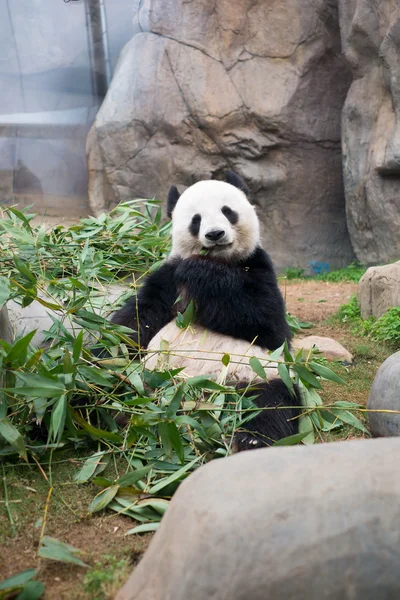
(315, 301)
(109, 553)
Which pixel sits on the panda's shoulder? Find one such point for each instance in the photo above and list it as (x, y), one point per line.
(259, 259)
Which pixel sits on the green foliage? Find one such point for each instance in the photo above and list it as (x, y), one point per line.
(350, 312)
(353, 272)
(63, 397)
(98, 580)
(54, 549)
(293, 273)
(24, 585)
(385, 328)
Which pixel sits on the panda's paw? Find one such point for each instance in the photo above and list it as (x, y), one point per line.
(245, 440)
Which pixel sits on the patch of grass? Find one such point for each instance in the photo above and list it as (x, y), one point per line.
(385, 328)
(106, 577)
(293, 273)
(352, 273)
(364, 351)
(348, 313)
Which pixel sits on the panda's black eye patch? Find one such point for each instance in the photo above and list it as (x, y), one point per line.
(230, 214)
(194, 227)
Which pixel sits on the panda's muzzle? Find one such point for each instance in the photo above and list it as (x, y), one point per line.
(215, 235)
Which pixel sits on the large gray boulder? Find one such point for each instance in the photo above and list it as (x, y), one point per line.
(370, 127)
(385, 396)
(36, 316)
(379, 290)
(248, 85)
(283, 524)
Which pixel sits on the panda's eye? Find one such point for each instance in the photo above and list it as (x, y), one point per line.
(194, 227)
(230, 214)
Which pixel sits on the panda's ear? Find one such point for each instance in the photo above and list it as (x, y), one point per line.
(237, 181)
(173, 197)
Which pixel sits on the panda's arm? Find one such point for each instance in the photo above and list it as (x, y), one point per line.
(242, 301)
(152, 308)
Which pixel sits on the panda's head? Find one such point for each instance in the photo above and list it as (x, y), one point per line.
(213, 217)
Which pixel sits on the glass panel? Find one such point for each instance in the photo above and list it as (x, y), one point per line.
(56, 62)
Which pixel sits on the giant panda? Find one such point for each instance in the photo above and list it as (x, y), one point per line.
(217, 262)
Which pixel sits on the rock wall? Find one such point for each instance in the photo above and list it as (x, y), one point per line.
(371, 130)
(252, 85)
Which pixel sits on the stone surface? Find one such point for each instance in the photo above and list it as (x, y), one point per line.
(250, 85)
(385, 395)
(379, 289)
(6, 332)
(281, 523)
(36, 316)
(330, 349)
(370, 127)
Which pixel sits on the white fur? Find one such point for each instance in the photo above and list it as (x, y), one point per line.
(207, 198)
(200, 352)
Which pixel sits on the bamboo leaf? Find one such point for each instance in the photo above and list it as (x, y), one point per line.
(176, 441)
(285, 376)
(133, 477)
(54, 549)
(306, 426)
(77, 349)
(90, 467)
(19, 349)
(258, 368)
(350, 419)
(103, 498)
(276, 354)
(99, 434)
(291, 440)
(325, 372)
(18, 580)
(5, 290)
(58, 415)
(166, 442)
(32, 590)
(174, 477)
(23, 269)
(203, 383)
(13, 437)
(175, 402)
(306, 376)
(145, 528)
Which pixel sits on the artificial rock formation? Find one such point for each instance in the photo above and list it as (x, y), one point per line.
(371, 129)
(284, 523)
(329, 348)
(385, 396)
(379, 290)
(252, 85)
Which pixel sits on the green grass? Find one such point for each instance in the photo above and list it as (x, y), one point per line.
(385, 328)
(352, 273)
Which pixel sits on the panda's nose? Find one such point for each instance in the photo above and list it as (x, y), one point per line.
(215, 235)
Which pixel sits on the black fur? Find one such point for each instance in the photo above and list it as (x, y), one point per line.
(230, 214)
(194, 226)
(173, 197)
(153, 307)
(237, 181)
(241, 300)
(270, 425)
